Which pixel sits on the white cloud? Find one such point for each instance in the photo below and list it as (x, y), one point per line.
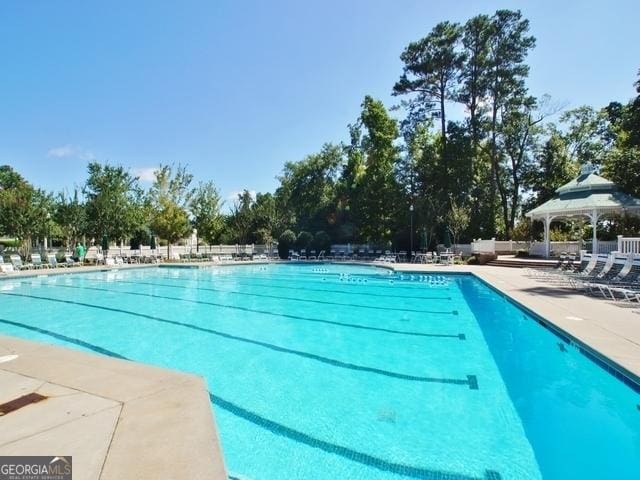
(71, 151)
(146, 174)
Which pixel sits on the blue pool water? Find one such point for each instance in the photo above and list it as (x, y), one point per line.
(340, 372)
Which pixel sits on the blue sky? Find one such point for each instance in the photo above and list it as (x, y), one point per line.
(234, 89)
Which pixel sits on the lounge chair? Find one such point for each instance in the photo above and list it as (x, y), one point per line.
(312, 255)
(617, 274)
(321, 255)
(16, 261)
(6, 268)
(70, 262)
(36, 260)
(110, 262)
(53, 261)
(303, 254)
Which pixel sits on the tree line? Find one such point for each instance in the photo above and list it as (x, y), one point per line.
(451, 176)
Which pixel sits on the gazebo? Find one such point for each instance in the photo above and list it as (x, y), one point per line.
(589, 195)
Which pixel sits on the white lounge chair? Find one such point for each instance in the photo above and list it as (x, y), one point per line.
(70, 262)
(53, 261)
(36, 260)
(16, 261)
(6, 268)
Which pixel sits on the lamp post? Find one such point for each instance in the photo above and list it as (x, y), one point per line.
(48, 233)
(410, 231)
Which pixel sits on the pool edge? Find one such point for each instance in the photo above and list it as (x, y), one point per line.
(155, 404)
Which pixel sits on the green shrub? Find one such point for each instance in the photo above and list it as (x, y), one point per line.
(473, 260)
(142, 236)
(304, 239)
(321, 241)
(286, 241)
(9, 243)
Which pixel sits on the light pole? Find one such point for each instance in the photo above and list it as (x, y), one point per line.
(47, 234)
(410, 231)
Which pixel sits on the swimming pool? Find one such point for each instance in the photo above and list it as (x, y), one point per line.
(345, 372)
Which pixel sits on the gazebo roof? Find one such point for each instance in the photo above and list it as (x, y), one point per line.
(585, 194)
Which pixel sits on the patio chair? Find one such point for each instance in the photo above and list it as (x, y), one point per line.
(16, 261)
(303, 254)
(626, 274)
(6, 268)
(321, 255)
(312, 255)
(70, 262)
(53, 261)
(36, 260)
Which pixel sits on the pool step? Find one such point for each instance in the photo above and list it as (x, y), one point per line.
(522, 263)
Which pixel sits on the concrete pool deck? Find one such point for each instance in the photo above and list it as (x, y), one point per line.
(120, 419)
(117, 419)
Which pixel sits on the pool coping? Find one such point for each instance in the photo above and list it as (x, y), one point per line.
(151, 422)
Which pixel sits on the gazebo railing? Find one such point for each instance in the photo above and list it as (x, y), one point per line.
(628, 244)
(604, 246)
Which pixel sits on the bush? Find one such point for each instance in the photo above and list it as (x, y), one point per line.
(304, 239)
(322, 241)
(9, 243)
(285, 242)
(140, 237)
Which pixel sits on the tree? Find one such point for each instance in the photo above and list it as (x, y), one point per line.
(379, 188)
(552, 168)
(519, 130)
(458, 219)
(587, 134)
(169, 198)
(71, 217)
(267, 217)
(476, 35)
(431, 67)
(308, 187)
(622, 161)
(170, 221)
(285, 242)
(114, 202)
(205, 210)
(509, 45)
(241, 219)
(23, 208)
(304, 239)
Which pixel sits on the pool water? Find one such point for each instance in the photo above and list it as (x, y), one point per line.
(345, 372)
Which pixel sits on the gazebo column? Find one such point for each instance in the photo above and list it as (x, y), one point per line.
(547, 244)
(594, 224)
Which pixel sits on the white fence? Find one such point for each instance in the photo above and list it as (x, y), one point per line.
(537, 248)
(511, 245)
(628, 244)
(237, 250)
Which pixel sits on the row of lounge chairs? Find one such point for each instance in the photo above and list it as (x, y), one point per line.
(16, 263)
(304, 256)
(210, 257)
(615, 276)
